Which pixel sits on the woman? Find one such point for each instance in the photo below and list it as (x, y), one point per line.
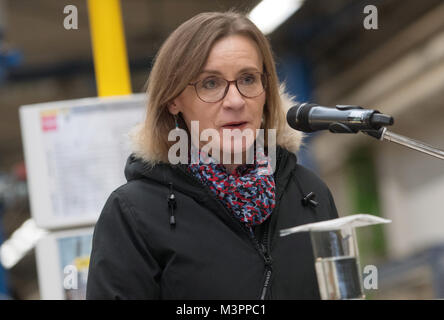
(208, 227)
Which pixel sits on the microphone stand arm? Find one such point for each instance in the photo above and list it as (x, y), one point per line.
(384, 134)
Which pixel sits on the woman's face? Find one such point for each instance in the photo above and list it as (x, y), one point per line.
(231, 58)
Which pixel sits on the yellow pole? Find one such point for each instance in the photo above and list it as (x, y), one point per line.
(109, 50)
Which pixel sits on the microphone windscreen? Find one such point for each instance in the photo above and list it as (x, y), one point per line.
(291, 116)
(297, 117)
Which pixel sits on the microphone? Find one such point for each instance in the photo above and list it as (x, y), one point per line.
(309, 200)
(341, 119)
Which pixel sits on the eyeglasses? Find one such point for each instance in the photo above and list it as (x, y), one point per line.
(214, 88)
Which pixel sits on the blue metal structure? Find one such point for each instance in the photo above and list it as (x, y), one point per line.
(8, 58)
(3, 283)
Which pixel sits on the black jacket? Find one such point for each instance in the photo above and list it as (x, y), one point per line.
(208, 254)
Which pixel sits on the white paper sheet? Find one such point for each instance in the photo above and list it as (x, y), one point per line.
(75, 153)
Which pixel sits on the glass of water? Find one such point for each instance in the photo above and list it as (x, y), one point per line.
(337, 264)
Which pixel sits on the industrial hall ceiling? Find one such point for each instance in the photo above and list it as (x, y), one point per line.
(57, 64)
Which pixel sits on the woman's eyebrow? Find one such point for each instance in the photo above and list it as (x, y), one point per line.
(240, 71)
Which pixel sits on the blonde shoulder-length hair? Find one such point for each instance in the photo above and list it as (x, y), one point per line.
(181, 59)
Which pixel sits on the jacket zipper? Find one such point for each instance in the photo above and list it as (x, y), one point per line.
(268, 263)
(262, 248)
(266, 246)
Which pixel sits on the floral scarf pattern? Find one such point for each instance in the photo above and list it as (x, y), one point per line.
(248, 192)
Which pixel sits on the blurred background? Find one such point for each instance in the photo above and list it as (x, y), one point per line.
(325, 54)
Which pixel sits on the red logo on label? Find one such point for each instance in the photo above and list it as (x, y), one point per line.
(49, 123)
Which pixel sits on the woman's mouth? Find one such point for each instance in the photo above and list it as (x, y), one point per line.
(235, 125)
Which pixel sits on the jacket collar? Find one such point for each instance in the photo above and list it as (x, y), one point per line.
(185, 182)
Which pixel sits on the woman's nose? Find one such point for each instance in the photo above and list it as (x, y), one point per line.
(233, 98)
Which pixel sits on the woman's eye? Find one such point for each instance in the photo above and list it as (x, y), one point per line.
(211, 83)
(247, 79)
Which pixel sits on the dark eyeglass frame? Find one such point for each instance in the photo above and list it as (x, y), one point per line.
(264, 80)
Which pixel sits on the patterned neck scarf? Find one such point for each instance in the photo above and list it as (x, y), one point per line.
(248, 192)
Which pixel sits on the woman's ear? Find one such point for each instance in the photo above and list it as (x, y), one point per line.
(173, 108)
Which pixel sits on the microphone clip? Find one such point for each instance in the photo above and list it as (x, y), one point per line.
(308, 200)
